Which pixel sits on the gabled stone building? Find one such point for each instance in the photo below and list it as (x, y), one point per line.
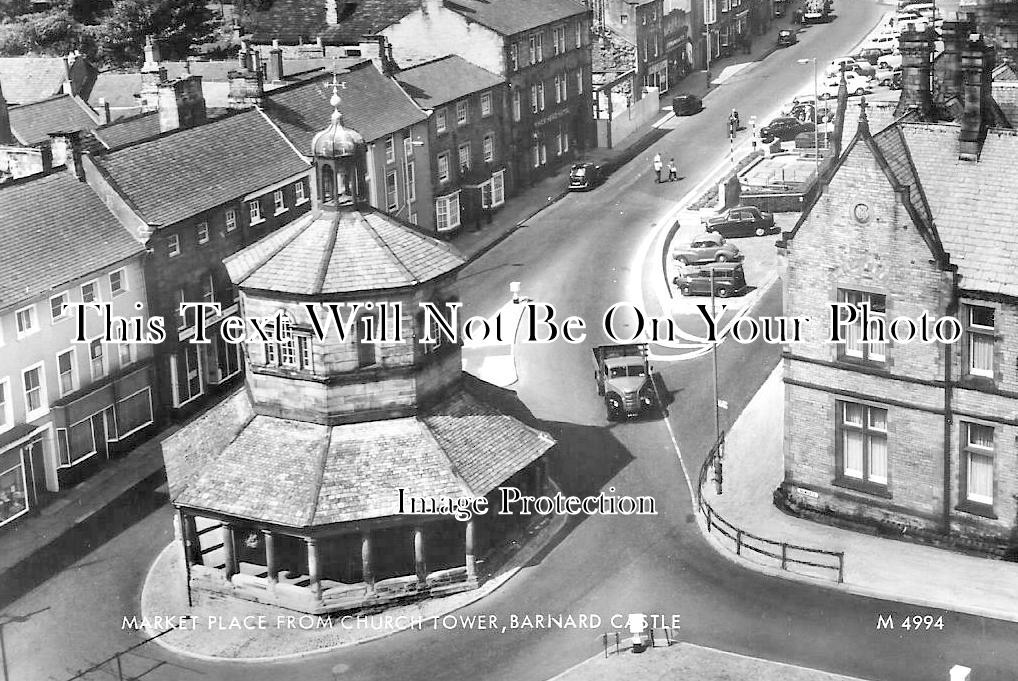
(289, 491)
(916, 438)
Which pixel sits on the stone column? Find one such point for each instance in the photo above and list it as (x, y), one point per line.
(230, 549)
(367, 576)
(314, 567)
(189, 535)
(419, 554)
(471, 561)
(271, 563)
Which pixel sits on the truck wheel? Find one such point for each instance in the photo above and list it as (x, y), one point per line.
(724, 291)
(721, 257)
(684, 290)
(613, 411)
(759, 232)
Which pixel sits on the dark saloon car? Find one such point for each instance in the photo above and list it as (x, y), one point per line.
(727, 278)
(585, 176)
(686, 104)
(742, 221)
(786, 38)
(785, 128)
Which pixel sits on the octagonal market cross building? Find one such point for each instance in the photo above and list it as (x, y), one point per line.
(288, 491)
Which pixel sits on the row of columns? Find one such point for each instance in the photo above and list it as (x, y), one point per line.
(192, 550)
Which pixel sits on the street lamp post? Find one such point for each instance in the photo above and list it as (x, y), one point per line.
(707, 8)
(816, 113)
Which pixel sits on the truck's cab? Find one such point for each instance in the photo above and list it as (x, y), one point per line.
(623, 376)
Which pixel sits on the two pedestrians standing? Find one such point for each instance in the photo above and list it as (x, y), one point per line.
(673, 172)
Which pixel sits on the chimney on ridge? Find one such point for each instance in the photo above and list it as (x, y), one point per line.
(955, 35)
(181, 104)
(977, 67)
(916, 46)
(275, 67)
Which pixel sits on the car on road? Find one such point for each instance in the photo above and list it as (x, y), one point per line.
(869, 54)
(885, 43)
(707, 248)
(742, 221)
(856, 84)
(685, 104)
(584, 176)
(786, 38)
(785, 128)
(723, 279)
(890, 61)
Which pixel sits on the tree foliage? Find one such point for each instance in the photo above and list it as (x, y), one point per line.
(109, 31)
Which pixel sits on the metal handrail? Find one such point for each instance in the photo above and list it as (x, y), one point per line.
(716, 521)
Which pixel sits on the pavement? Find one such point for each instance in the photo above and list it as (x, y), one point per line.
(876, 566)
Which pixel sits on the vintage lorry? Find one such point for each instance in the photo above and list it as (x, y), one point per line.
(622, 374)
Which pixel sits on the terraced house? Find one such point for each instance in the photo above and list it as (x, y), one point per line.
(540, 47)
(913, 437)
(195, 196)
(67, 404)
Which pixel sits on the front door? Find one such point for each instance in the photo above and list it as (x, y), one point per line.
(99, 433)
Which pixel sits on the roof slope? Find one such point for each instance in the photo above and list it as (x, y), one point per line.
(972, 203)
(373, 105)
(513, 16)
(342, 252)
(445, 80)
(188, 171)
(33, 122)
(55, 229)
(303, 474)
(124, 132)
(29, 79)
(293, 20)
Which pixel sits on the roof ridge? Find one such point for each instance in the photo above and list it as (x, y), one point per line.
(327, 253)
(323, 459)
(453, 468)
(373, 232)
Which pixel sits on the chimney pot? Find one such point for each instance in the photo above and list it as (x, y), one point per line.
(104, 111)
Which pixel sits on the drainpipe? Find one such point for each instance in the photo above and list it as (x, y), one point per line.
(948, 412)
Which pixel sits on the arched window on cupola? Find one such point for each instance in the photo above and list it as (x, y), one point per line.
(328, 183)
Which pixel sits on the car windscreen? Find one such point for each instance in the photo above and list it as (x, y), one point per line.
(579, 172)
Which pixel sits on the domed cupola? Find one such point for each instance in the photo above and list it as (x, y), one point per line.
(339, 154)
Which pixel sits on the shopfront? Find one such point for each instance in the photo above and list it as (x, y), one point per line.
(21, 472)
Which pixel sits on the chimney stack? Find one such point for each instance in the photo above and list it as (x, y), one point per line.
(71, 143)
(275, 68)
(916, 46)
(104, 111)
(46, 154)
(976, 65)
(246, 88)
(955, 36)
(181, 104)
(152, 75)
(331, 13)
(6, 136)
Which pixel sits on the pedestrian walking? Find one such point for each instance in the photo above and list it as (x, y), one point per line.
(657, 167)
(673, 172)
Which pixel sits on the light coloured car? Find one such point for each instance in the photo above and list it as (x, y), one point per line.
(885, 76)
(889, 61)
(707, 248)
(885, 43)
(849, 64)
(856, 84)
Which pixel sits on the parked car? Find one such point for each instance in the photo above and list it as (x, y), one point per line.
(896, 80)
(685, 104)
(849, 64)
(885, 43)
(786, 38)
(785, 128)
(890, 61)
(810, 112)
(585, 176)
(819, 17)
(869, 54)
(857, 85)
(742, 221)
(707, 248)
(885, 76)
(727, 279)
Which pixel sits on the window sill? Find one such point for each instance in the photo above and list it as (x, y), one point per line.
(863, 486)
(280, 212)
(26, 334)
(36, 415)
(202, 243)
(119, 293)
(301, 202)
(54, 322)
(977, 508)
(174, 255)
(976, 381)
(257, 222)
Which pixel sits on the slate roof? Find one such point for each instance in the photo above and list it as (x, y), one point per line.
(342, 252)
(972, 203)
(1005, 94)
(302, 474)
(55, 230)
(290, 21)
(373, 105)
(29, 79)
(32, 123)
(130, 130)
(183, 173)
(445, 80)
(513, 16)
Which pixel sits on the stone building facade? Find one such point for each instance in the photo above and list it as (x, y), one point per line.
(915, 438)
